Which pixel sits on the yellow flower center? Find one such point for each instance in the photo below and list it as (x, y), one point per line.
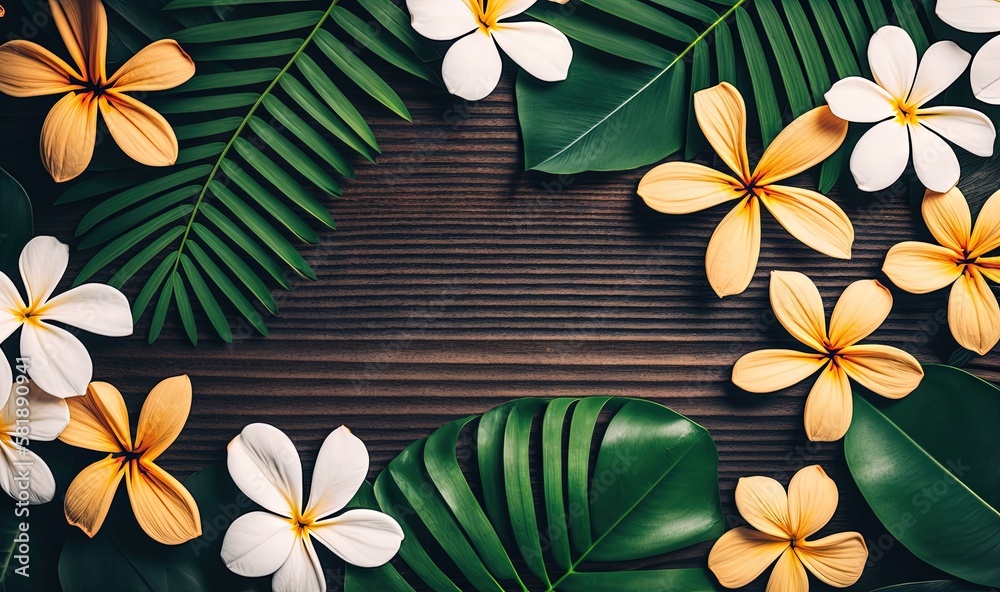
(301, 523)
(906, 114)
(26, 315)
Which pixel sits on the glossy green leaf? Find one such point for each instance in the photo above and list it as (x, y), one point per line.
(15, 223)
(934, 586)
(184, 307)
(249, 28)
(383, 46)
(362, 75)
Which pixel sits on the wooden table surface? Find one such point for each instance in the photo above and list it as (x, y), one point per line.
(455, 281)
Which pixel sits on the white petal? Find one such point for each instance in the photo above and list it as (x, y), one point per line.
(43, 263)
(48, 416)
(302, 571)
(442, 20)
(6, 377)
(265, 466)
(540, 49)
(941, 65)
(10, 301)
(29, 479)
(968, 128)
(471, 68)
(880, 156)
(973, 16)
(507, 8)
(365, 538)
(985, 75)
(57, 362)
(257, 544)
(96, 308)
(893, 60)
(934, 160)
(341, 468)
(860, 100)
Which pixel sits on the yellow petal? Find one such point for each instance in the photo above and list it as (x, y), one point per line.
(83, 25)
(742, 554)
(98, 420)
(986, 234)
(812, 500)
(989, 267)
(29, 70)
(973, 313)
(861, 309)
(920, 268)
(731, 258)
(769, 370)
(837, 560)
(948, 218)
(89, 496)
(763, 503)
(722, 117)
(799, 308)
(788, 574)
(163, 416)
(158, 66)
(888, 371)
(68, 136)
(806, 142)
(139, 131)
(162, 506)
(684, 187)
(812, 218)
(828, 407)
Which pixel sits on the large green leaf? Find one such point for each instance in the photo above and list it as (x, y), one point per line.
(15, 224)
(934, 586)
(927, 465)
(570, 489)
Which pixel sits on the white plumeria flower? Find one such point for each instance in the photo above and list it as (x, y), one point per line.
(978, 16)
(266, 467)
(43, 417)
(896, 105)
(472, 66)
(56, 360)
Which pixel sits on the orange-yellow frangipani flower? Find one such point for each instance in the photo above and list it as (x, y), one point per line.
(70, 130)
(99, 421)
(862, 308)
(784, 522)
(683, 187)
(959, 260)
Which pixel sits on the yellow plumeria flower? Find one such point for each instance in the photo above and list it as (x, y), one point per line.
(862, 308)
(70, 130)
(959, 261)
(784, 522)
(683, 187)
(99, 421)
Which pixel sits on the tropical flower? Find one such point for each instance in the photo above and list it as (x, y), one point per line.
(784, 522)
(46, 418)
(472, 66)
(56, 360)
(266, 467)
(896, 105)
(682, 187)
(958, 260)
(862, 307)
(70, 130)
(99, 421)
(978, 16)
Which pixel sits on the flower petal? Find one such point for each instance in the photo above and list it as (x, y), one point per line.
(722, 117)
(139, 131)
(10, 301)
(163, 416)
(48, 418)
(829, 407)
(989, 267)
(812, 218)
(265, 466)
(365, 538)
(42, 263)
(788, 574)
(69, 135)
(985, 72)
(686, 187)
(893, 60)
(920, 268)
(165, 510)
(968, 128)
(861, 309)
(158, 66)
(6, 377)
(502, 9)
(733, 250)
(83, 26)
(948, 218)
(39, 486)
(89, 496)
(972, 16)
(742, 554)
(880, 156)
(442, 20)
(769, 370)
(940, 66)
(29, 70)
(986, 233)
(888, 371)
(257, 544)
(301, 571)
(98, 420)
(799, 308)
(812, 500)
(59, 363)
(973, 313)
(934, 160)
(860, 100)
(471, 68)
(806, 142)
(540, 49)
(95, 308)
(763, 503)
(837, 560)
(341, 468)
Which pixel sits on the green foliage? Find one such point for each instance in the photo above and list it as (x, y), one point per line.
(16, 222)
(933, 586)
(927, 465)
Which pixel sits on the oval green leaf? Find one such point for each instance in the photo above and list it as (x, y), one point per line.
(16, 222)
